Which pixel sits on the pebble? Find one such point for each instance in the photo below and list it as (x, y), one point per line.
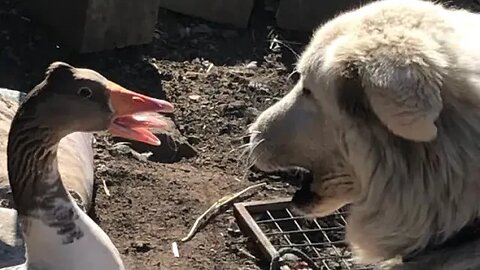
(251, 112)
(194, 97)
(141, 246)
(193, 139)
(259, 86)
(252, 64)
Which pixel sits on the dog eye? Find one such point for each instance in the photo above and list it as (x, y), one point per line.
(306, 91)
(84, 92)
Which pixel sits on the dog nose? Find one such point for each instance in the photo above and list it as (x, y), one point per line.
(304, 195)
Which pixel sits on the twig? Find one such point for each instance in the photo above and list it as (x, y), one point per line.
(247, 254)
(217, 205)
(105, 188)
(209, 68)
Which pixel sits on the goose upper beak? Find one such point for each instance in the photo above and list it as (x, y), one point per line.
(130, 114)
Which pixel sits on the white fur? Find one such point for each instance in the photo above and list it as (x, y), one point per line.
(395, 108)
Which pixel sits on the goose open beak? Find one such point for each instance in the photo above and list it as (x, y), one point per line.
(130, 119)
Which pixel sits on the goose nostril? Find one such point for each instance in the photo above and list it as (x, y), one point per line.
(246, 139)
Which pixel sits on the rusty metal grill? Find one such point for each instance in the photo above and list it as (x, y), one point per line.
(273, 225)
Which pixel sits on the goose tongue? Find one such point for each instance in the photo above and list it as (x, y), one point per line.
(131, 119)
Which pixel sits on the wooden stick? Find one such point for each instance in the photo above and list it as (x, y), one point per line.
(105, 188)
(217, 205)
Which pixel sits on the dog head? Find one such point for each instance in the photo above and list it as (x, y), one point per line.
(360, 76)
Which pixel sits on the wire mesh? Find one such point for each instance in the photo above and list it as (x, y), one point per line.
(322, 239)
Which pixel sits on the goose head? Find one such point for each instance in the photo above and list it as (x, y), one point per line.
(73, 99)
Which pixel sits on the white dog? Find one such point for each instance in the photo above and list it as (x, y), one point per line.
(386, 116)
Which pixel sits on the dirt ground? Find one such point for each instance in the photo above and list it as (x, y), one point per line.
(153, 204)
(219, 78)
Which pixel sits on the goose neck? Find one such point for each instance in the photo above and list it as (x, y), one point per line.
(33, 169)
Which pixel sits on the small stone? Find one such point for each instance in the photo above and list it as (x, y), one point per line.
(235, 108)
(193, 139)
(237, 105)
(252, 64)
(233, 229)
(194, 97)
(252, 112)
(141, 246)
(259, 86)
(206, 63)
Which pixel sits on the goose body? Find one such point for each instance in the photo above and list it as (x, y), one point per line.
(93, 251)
(49, 157)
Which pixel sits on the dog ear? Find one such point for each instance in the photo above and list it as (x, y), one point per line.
(406, 99)
(399, 82)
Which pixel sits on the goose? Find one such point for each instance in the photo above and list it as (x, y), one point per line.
(75, 152)
(70, 101)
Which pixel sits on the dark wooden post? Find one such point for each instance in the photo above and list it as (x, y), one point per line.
(96, 25)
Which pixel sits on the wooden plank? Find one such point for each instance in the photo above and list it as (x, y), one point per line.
(95, 25)
(235, 12)
(249, 227)
(262, 206)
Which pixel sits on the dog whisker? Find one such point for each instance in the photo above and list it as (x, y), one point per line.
(254, 132)
(253, 148)
(243, 146)
(331, 176)
(242, 154)
(251, 158)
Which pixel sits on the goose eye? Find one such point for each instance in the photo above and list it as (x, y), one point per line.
(84, 92)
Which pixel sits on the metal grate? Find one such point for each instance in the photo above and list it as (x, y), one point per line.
(274, 226)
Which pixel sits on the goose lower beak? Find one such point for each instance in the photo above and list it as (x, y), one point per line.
(131, 119)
